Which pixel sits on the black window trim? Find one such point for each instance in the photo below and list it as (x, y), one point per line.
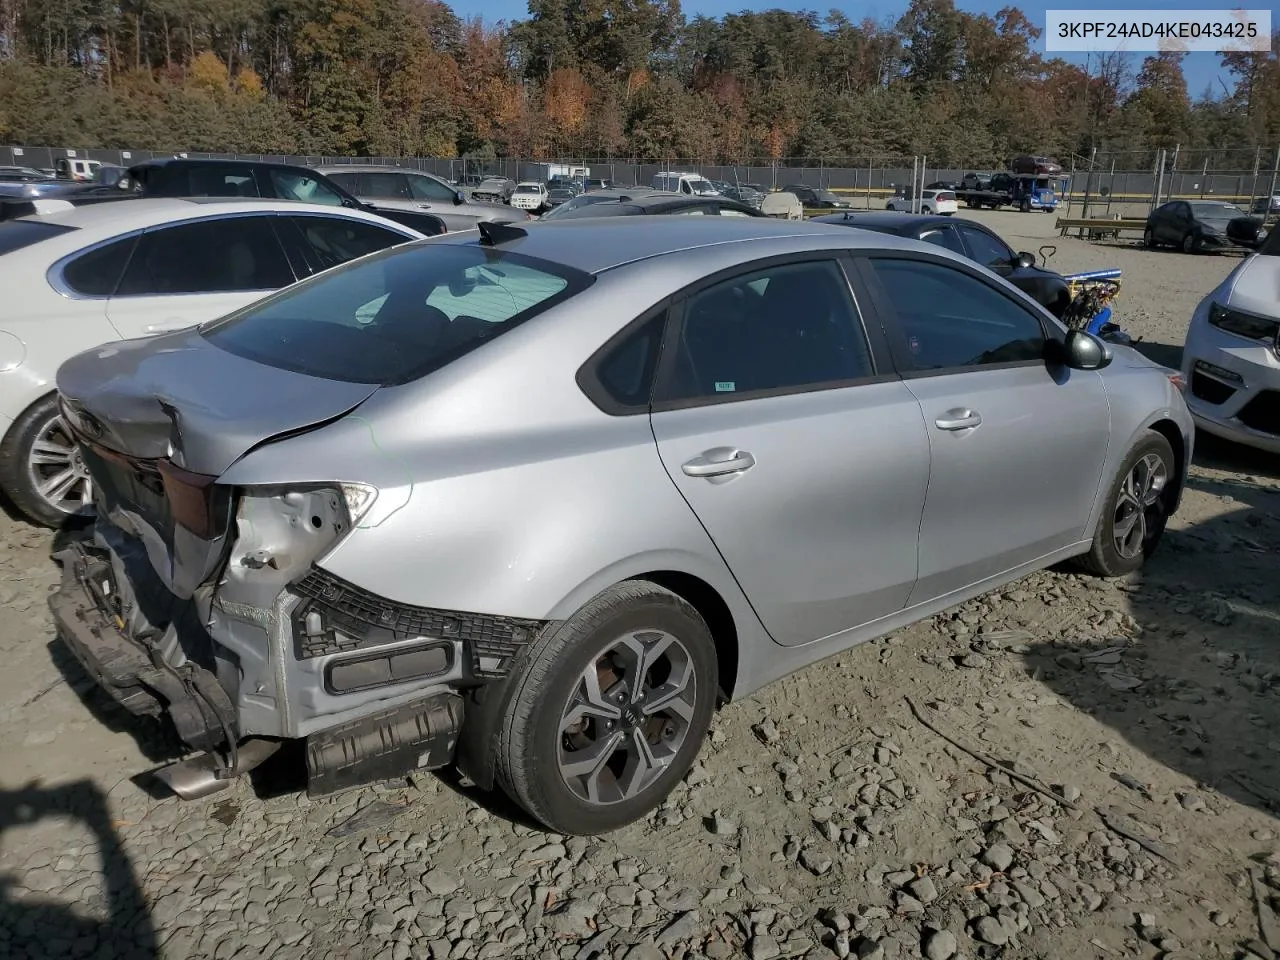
(883, 307)
(877, 351)
(588, 375)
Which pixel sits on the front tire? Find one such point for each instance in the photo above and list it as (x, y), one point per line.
(1136, 511)
(41, 469)
(1191, 243)
(609, 710)
(1149, 238)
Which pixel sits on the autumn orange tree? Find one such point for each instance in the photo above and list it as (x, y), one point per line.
(600, 78)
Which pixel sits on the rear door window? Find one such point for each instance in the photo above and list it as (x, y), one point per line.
(425, 188)
(221, 180)
(986, 249)
(208, 256)
(291, 185)
(946, 238)
(329, 241)
(790, 327)
(382, 186)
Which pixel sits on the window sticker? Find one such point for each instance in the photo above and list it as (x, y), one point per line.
(726, 386)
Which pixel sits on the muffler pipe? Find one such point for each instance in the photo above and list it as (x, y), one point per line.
(197, 777)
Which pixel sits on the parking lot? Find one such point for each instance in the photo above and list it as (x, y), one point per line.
(824, 818)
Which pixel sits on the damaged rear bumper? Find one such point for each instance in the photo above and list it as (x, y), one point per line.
(374, 688)
(133, 673)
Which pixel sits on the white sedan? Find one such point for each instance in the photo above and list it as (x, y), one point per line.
(931, 201)
(530, 196)
(81, 276)
(1231, 361)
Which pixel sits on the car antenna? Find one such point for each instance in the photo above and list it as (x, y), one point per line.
(494, 232)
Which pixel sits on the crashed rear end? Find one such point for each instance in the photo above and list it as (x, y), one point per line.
(201, 601)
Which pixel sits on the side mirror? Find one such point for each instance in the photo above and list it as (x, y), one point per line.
(1084, 351)
(457, 198)
(1024, 260)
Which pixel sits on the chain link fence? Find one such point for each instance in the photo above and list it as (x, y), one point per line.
(1129, 178)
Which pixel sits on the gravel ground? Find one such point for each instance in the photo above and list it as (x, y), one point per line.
(825, 818)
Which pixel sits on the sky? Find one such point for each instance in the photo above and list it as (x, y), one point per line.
(1202, 69)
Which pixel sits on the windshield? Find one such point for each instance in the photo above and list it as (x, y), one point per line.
(396, 315)
(577, 203)
(611, 207)
(527, 188)
(1215, 211)
(825, 195)
(703, 188)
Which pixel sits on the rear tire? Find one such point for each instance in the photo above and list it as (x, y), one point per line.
(1136, 510)
(60, 466)
(609, 710)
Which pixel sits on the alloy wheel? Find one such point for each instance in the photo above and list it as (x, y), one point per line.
(627, 718)
(1140, 505)
(56, 468)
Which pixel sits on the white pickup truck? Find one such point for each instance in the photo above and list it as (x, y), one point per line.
(530, 196)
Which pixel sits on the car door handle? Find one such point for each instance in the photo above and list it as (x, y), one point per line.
(718, 462)
(960, 418)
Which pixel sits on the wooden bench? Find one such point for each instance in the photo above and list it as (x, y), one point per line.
(1098, 227)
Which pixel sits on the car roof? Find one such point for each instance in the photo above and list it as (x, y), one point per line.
(902, 223)
(594, 245)
(121, 216)
(332, 168)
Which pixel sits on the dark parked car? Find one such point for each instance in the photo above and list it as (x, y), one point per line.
(1192, 226)
(624, 203)
(1035, 164)
(22, 174)
(743, 193)
(1247, 232)
(816, 197)
(494, 190)
(976, 181)
(183, 177)
(559, 195)
(972, 240)
(1265, 206)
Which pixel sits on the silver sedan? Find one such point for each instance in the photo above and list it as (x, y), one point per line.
(534, 501)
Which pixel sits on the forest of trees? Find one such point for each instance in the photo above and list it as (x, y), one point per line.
(596, 78)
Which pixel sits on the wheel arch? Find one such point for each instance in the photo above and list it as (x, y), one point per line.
(1170, 431)
(713, 609)
(477, 744)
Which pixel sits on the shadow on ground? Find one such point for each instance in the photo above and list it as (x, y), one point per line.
(156, 740)
(1197, 692)
(37, 924)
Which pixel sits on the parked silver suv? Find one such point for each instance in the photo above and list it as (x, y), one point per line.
(399, 189)
(535, 500)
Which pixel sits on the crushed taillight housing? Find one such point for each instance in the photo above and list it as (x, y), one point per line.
(190, 500)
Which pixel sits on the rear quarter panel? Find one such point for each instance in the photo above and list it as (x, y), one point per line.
(503, 489)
